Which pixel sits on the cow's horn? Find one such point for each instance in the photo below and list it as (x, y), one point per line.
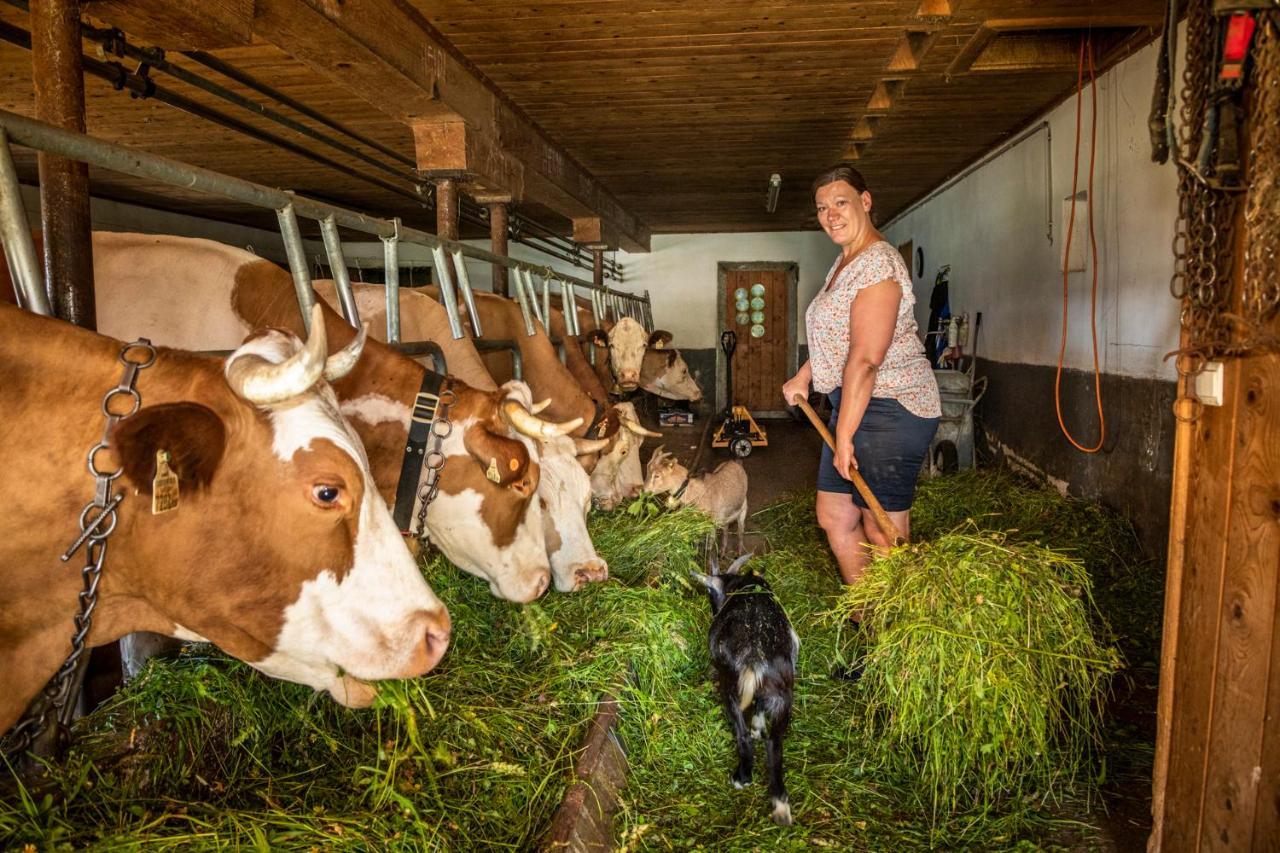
(585, 446)
(540, 407)
(263, 383)
(344, 360)
(526, 423)
(635, 427)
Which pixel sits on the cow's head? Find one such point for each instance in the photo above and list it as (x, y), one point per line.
(484, 517)
(617, 475)
(664, 473)
(665, 373)
(627, 342)
(302, 572)
(565, 497)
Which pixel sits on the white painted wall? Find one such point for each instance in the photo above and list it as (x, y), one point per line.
(681, 271)
(991, 228)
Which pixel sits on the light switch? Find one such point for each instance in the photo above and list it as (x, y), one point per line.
(1208, 384)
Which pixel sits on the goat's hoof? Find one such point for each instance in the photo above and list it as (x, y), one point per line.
(782, 813)
(741, 780)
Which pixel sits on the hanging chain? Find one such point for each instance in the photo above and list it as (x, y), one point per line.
(433, 461)
(1210, 193)
(50, 714)
(1262, 203)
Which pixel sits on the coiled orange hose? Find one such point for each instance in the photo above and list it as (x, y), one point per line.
(1093, 249)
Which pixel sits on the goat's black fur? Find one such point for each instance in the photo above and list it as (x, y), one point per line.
(753, 650)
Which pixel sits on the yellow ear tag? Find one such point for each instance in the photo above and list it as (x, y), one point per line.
(514, 464)
(492, 471)
(601, 428)
(164, 488)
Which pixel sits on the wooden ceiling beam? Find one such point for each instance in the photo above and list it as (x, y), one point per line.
(206, 25)
(886, 92)
(450, 148)
(973, 48)
(387, 53)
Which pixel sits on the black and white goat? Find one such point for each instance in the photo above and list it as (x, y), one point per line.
(753, 649)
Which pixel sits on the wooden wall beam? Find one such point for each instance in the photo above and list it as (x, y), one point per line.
(58, 74)
(386, 52)
(202, 25)
(498, 234)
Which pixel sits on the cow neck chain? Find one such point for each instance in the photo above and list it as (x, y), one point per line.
(433, 463)
(46, 724)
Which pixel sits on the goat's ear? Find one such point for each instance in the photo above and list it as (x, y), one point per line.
(736, 565)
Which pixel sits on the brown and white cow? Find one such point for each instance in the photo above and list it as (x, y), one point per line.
(281, 549)
(665, 373)
(199, 294)
(563, 487)
(627, 342)
(618, 476)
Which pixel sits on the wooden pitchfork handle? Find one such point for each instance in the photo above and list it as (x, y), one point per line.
(886, 525)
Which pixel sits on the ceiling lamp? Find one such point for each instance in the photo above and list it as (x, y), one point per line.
(775, 184)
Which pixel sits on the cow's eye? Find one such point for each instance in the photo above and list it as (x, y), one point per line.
(326, 495)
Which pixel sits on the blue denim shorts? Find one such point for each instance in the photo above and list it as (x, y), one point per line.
(890, 446)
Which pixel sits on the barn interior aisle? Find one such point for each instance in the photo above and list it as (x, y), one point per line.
(606, 425)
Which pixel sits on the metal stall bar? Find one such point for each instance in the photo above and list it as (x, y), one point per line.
(569, 306)
(464, 284)
(522, 301)
(533, 297)
(546, 301)
(19, 248)
(297, 256)
(338, 269)
(517, 360)
(391, 277)
(447, 294)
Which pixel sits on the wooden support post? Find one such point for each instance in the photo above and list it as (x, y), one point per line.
(498, 240)
(447, 208)
(64, 184)
(597, 267)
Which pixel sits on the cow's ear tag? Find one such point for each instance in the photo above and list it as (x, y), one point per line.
(601, 429)
(492, 471)
(164, 488)
(514, 464)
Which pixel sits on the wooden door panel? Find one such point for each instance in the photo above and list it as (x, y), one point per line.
(760, 364)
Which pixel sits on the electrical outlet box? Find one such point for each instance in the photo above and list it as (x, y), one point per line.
(1208, 384)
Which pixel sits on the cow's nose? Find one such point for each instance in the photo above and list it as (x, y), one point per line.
(591, 571)
(436, 628)
(543, 581)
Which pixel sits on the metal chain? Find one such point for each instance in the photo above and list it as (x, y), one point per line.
(50, 714)
(433, 461)
(1262, 203)
(1206, 204)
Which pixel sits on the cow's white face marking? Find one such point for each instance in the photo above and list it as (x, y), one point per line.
(376, 409)
(565, 488)
(627, 344)
(618, 475)
(673, 382)
(380, 620)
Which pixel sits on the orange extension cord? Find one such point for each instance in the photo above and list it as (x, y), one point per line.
(1093, 248)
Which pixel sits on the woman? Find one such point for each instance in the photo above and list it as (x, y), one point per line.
(866, 355)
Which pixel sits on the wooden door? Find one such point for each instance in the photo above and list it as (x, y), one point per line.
(760, 364)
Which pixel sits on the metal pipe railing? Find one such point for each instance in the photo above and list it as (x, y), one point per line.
(118, 158)
(15, 233)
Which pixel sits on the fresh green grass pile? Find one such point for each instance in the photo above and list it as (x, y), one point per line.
(983, 676)
(203, 753)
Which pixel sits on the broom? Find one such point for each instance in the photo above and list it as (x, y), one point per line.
(883, 521)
